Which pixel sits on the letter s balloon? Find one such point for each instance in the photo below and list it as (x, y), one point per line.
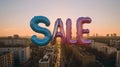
(34, 25)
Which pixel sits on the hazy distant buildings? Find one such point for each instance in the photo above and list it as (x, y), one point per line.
(103, 48)
(107, 35)
(15, 40)
(7, 59)
(96, 34)
(111, 35)
(108, 50)
(115, 43)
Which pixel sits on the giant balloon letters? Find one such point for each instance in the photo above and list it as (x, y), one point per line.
(59, 24)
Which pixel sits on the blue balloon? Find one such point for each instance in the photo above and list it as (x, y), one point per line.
(34, 25)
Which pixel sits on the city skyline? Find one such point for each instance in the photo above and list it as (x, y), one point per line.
(15, 15)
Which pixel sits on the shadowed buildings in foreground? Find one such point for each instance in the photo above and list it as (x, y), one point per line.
(7, 59)
(19, 46)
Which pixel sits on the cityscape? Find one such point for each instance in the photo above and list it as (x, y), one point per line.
(59, 33)
(16, 51)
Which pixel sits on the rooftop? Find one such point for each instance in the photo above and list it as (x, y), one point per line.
(13, 37)
(4, 53)
(45, 58)
(11, 46)
(86, 53)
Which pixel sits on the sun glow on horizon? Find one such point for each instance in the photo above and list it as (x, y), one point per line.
(16, 15)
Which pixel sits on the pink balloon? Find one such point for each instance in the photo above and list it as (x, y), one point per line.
(58, 24)
(69, 33)
(81, 31)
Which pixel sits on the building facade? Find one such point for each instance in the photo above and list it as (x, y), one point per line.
(7, 59)
(19, 46)
(21, 53)
(103, 48)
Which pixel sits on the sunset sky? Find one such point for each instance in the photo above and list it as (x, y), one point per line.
(15, 15)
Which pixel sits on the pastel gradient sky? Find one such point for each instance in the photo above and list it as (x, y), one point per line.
(15, 15)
